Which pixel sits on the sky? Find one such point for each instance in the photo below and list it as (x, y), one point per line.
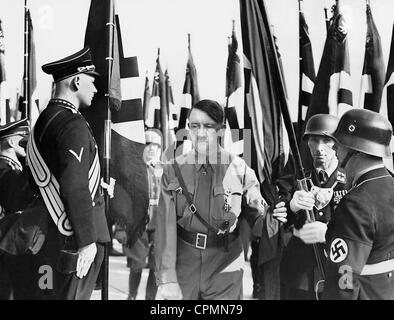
(146, 25)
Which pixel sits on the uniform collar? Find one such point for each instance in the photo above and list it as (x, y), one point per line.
(64, 103)
(371, 172)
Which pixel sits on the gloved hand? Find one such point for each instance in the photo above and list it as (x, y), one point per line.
(169, 291)
(85, 258)
(302, 200)
(314, 232)
(280, 212)
(109, 187)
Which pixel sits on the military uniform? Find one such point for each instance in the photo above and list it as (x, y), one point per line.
(299, 271)
(15, 194)
(68, 148)
(144, 246)
(186, 251)
(360, 241)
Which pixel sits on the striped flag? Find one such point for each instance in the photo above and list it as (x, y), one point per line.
(387, 106)
(372, 80)
(234, 97)
(130, 203)
(190, 88)
(307, 72)
(172, 108)
(191, 96)
(332, 91)
(4, 89)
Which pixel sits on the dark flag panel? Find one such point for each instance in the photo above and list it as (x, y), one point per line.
(146, 101)
(263, 117)
(130, 203)
(372, 80)
(307, 72)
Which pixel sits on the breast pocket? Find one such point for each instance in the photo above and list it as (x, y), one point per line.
(227, 205)
(181, 203)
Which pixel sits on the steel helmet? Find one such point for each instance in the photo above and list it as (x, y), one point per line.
(365, 131)
(321, 125)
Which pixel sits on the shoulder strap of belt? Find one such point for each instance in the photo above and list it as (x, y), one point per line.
(192, 207)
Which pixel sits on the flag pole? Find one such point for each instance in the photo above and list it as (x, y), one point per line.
(107, 139)
(26, 67)
(299, 122)
(289, 127)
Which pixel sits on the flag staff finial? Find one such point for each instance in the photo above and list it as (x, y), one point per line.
(299, 5)
(233, 21)
(158, 51)
(188, 41)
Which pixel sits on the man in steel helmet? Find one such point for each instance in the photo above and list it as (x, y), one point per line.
(360, 235)
(300, 275)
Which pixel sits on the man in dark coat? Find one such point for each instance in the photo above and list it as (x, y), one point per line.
(63, 158)
(360, 236)
(300, 274)
(15, 195)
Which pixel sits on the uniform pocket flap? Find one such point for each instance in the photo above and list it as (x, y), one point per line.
(175, 186)
(218, 190)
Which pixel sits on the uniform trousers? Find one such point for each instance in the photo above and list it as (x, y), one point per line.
(210, 274)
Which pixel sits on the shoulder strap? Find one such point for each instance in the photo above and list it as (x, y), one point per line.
(192, 207)
(47, 125)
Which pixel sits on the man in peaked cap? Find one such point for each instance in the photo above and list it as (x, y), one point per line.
(360, 235)
(15, 195)
(63, 147)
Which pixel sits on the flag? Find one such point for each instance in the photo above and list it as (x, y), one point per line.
(190, 88)
(332, 91)
(28, 103)
(307, 72)
(160, 103)
(172, 108)
(190, 97)
(234, 97)
(129, 206)
(4, 90)
(262, 76)
(372, 80)
(387, 106)
(146, 102)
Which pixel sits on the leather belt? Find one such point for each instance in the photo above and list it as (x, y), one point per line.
(202, 241)
(378, 268)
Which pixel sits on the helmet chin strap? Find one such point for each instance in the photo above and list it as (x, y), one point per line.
(349, 155)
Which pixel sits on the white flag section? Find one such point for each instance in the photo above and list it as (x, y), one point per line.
(307, 88)
(339, 82)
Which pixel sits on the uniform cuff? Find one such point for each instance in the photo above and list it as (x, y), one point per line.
(166, 276)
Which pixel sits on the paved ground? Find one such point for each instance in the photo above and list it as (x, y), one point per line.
(119, 273)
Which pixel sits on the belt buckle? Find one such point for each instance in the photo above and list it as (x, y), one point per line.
(201, 237)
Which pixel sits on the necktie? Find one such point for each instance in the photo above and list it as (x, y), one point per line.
(323, 177)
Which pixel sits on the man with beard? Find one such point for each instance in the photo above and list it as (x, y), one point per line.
(300, 277)
(199, 254)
